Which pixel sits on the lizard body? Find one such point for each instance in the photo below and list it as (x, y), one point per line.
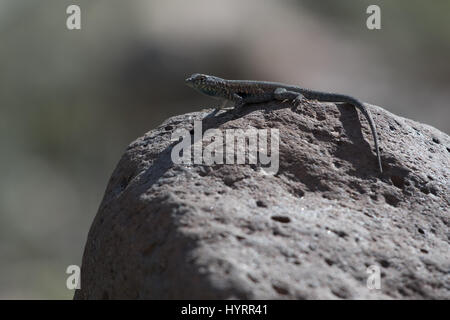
(247, 91)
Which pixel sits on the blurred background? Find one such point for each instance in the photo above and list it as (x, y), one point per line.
(72, 100)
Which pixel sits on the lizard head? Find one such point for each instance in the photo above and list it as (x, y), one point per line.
(208, 85)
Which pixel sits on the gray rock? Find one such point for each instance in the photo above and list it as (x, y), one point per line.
(167, 231)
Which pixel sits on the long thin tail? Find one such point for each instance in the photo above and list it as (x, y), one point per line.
(334, 97)
(368, 116)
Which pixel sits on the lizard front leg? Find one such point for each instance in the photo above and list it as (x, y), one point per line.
(283, 94)
(223, 105)
(238, 101)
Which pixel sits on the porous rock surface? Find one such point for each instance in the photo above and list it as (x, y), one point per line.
(172, 231)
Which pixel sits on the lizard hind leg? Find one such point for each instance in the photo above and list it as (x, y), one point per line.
(282, 94)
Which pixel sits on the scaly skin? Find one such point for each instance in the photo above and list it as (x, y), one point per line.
(246, 91)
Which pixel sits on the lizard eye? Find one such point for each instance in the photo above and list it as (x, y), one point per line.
(200, 78)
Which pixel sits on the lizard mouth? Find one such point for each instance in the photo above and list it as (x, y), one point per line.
(189, 82)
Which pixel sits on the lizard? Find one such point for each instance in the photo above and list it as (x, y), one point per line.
(243, 92)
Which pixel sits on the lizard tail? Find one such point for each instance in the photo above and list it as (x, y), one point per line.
(357, 104)
(368, 116)
(366, 113)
